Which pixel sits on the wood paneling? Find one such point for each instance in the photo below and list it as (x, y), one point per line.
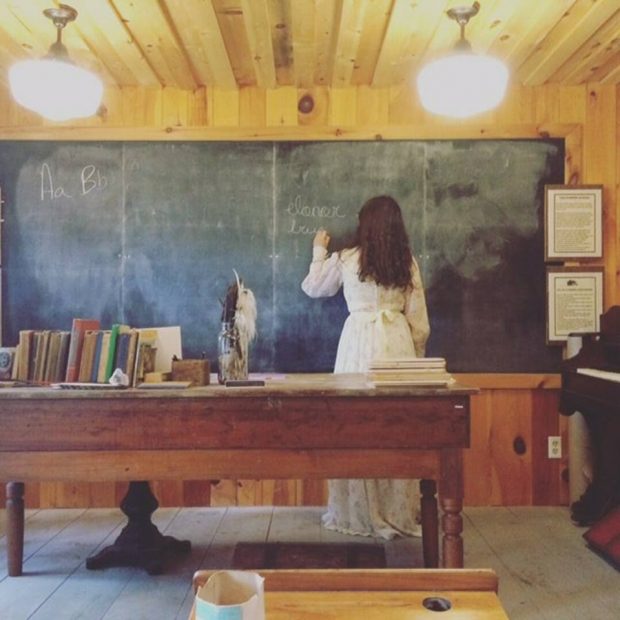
(509, 407)
(231, 44)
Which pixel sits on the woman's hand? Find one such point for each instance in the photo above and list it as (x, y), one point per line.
(321, 238)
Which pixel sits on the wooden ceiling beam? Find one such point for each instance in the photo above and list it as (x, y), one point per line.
(525, 30)
(490, 24)
(479, 26)
(27, 28)
(303, 19)
(281, 26)
(572, 31)
(151, 25)
(444, 33)
(410, 28)
(327, 21)
(349, 35)
(609, 72)
(232, 25)
(376, 19)
(112, 45)
(258, 27)
(199, 31)
(230, 44)
(603, 44)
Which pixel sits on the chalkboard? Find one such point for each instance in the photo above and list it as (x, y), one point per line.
(149, 234)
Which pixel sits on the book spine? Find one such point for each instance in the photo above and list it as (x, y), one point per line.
(88, 354)
(25, 343)
(53, 351)
(94, 371)
(76, 343)
(42, 355)
(32, 355)
(131, 355)
(122, 351)
(110, 362)
(63, 354)
(103, 356)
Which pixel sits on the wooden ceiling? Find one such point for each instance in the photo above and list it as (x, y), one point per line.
(230, 44)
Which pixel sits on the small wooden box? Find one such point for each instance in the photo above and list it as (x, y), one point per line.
(196, 371)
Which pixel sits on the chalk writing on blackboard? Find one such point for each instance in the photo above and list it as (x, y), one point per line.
(299, 209)
(90, 179)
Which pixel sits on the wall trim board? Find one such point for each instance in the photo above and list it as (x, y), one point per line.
(465, 131)
(510, 381)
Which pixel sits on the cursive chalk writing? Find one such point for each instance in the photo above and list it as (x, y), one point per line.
(301, 229)
(299, 210)
(297, 207)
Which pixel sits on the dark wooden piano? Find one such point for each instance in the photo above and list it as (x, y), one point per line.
(587, 388)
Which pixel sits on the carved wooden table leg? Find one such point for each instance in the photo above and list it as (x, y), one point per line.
(452, 523)
(15, 527)
(430, 534)
(140, 543)
(451, 502)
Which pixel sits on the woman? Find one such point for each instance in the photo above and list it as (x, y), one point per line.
(388, 318)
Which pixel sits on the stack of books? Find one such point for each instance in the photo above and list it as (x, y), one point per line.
(89, 355)
(135, 351)
(403, 371)
(40, 356)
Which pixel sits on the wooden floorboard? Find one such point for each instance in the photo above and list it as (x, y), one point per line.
(546, 571)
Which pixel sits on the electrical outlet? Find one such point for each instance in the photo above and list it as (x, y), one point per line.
(554, 447)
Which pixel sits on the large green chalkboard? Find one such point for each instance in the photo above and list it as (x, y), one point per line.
(149, 234)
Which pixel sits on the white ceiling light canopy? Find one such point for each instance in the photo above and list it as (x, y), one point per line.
(462, 84)
(53, 86)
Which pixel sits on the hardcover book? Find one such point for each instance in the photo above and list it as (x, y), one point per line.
(78, 329)
(110, 362)
(26, 337)
(94, 371)
(60, 370)
(41, 353)
(104, 353)
(53, 351)
(88, 355)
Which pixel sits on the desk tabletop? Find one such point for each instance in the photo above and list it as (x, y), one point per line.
(379, 594)
(277, 386)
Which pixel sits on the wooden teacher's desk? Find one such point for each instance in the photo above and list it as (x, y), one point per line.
(303, 426)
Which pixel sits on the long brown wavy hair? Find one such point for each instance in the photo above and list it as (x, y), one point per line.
(385, 253)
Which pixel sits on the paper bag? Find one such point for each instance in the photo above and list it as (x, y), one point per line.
(231, 595)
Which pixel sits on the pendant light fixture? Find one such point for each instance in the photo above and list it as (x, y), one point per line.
(462, 84)
(53, 86)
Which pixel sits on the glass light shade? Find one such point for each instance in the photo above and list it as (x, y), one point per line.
(55, 89)
(463, 84)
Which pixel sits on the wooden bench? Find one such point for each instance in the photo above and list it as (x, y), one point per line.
(377, 594)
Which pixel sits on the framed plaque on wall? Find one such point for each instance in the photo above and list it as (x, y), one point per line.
(573, 222)
(574, 301)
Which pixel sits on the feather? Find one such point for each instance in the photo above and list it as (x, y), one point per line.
(239, 311)
(245, 313)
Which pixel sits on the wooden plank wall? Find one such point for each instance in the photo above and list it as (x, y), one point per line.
(513, 414)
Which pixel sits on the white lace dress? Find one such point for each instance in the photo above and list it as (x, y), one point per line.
(383, 322)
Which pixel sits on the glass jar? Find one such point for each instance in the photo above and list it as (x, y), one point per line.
(232, 358)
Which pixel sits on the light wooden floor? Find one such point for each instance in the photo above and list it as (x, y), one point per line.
(545, 570)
